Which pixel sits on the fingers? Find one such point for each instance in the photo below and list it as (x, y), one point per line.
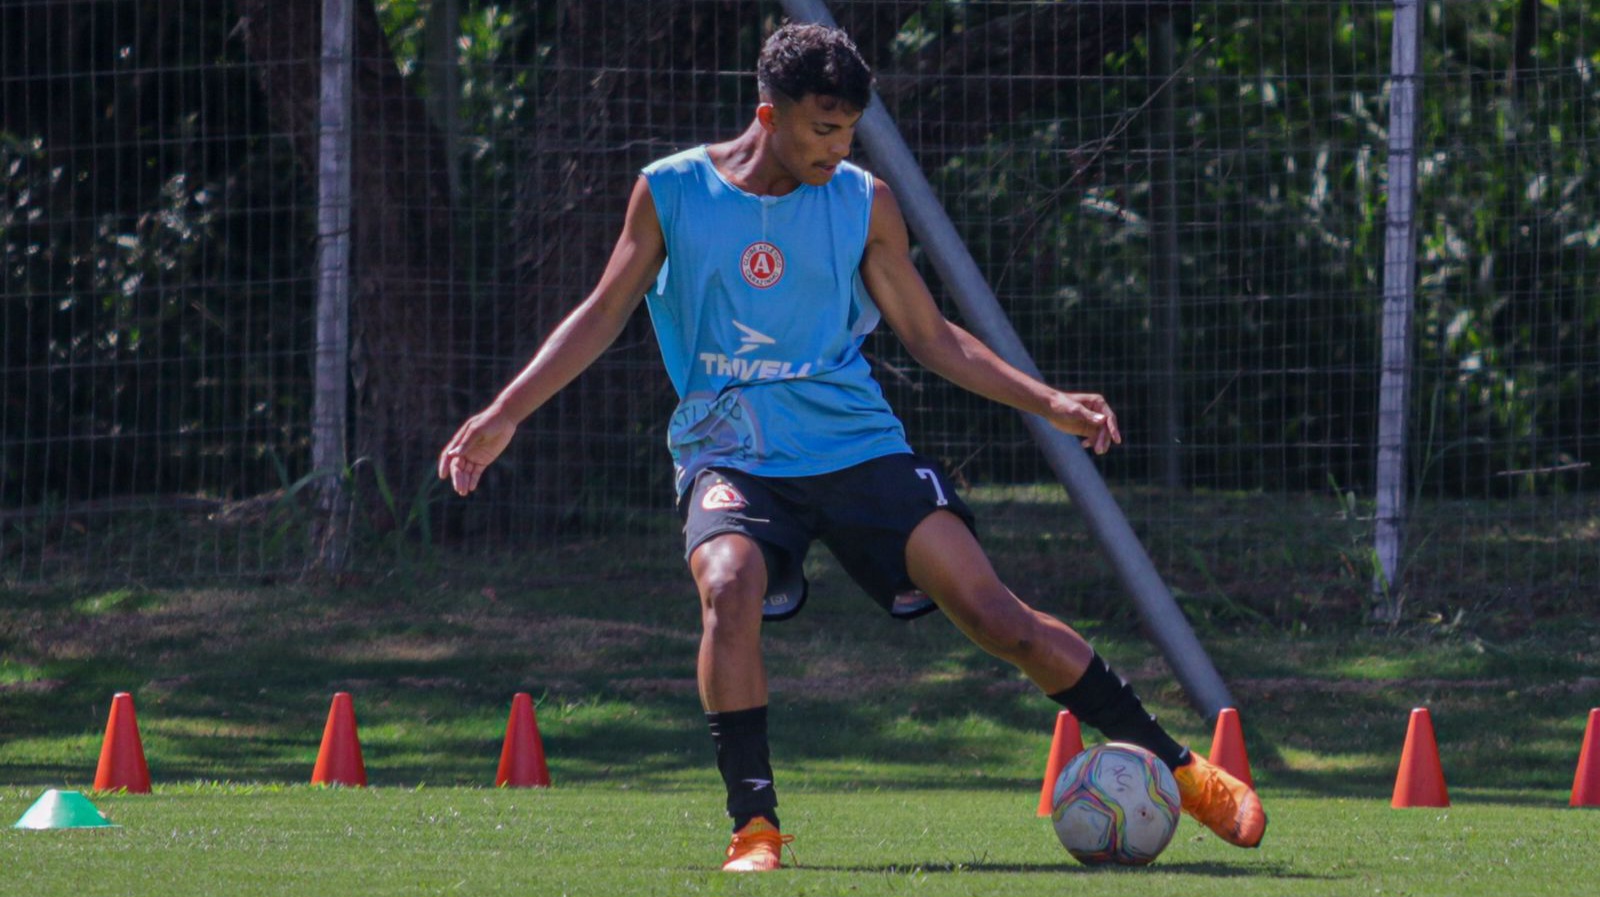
(1113, 432)
(451, 450)
(444, 460)
(464, 475)
(1103, 430)
(474, 447)
(1103, 415)
(1099, 443)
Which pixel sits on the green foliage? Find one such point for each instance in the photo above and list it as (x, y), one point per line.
(1280, 165)
(155, 236)
(503, 50)
(153, 322)
(1507, 232)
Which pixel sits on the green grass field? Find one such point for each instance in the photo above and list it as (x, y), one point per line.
(597, 840)
(908, 762)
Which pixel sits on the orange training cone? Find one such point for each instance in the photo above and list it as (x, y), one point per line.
(1586, 783)
(1420, 782)
(1227, 746)
(1064, 745)
(122, 766)
(522, 756)
(339, 760)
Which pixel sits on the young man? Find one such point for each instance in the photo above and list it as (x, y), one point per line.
(767, 259)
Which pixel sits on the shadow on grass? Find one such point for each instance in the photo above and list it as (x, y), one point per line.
(1207, 870)
(235, 686)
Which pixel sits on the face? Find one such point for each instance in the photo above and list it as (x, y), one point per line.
(811, 137)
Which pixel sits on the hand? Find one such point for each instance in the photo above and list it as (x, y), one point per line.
(1086, 414)
(475, 446)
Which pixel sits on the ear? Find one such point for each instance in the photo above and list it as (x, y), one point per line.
(764, 115)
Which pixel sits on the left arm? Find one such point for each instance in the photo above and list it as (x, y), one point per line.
(953, 353)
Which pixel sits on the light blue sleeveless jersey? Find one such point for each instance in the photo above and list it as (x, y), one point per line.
(760, 313)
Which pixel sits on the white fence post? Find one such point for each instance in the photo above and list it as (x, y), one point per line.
(1399, 295)
(330, 404)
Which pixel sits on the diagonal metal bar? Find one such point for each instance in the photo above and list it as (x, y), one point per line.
(1167, 626)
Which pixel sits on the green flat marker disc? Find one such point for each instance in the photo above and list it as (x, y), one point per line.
(63, 809)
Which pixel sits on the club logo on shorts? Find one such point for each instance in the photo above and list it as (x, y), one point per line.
(761, 264)
(722, 497)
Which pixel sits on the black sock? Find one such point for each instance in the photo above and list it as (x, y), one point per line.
(1103, 700)
(740, 737)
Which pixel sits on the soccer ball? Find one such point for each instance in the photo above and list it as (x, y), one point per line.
(1115, 803)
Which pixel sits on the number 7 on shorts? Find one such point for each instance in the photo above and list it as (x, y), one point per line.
(938, 490)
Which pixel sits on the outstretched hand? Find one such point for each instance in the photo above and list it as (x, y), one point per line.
(475, 446)
(1088, 416)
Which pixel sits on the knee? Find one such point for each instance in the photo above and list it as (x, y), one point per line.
(730, 595)
(724, 590)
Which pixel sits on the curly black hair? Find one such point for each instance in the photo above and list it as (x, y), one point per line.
(801, 59)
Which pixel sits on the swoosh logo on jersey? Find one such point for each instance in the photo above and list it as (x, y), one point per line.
(752, 339)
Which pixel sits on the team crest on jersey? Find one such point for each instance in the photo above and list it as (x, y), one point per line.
(761, 264)
(722, 497)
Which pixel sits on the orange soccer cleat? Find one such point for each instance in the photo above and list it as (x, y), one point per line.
(757, 847)
(1221, 802)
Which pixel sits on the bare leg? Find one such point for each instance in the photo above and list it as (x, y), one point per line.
(945, 561)
(731, 575)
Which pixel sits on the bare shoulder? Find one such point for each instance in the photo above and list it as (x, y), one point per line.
(887, 225)
(641, 214)
(882, 193)
(641, 193)
(640, 250)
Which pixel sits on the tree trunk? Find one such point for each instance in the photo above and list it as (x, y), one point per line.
(402, 319)
(630, 81)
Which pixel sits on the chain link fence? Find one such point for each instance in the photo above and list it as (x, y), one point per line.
(1180, 205)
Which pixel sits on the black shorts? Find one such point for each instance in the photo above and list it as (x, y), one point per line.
(864, 514)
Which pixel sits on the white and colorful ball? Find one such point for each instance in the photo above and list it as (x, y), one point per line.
(1115, 803)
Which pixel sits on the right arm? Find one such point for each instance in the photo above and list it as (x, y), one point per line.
(574, 345)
